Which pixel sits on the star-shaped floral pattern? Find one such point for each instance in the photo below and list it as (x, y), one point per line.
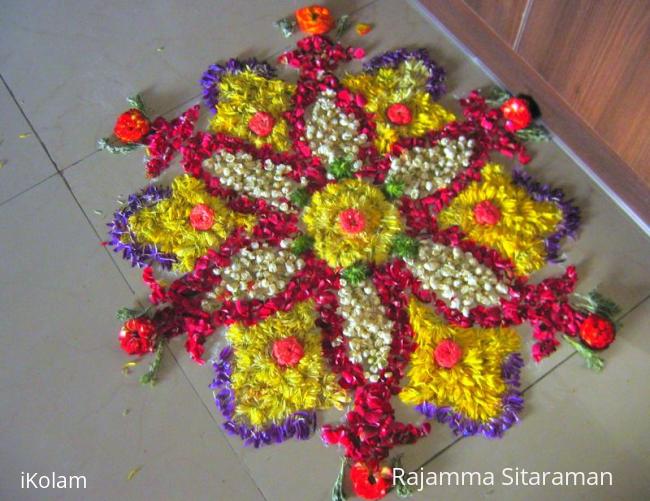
(344, 204)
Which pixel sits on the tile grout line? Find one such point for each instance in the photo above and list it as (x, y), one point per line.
(74, 197)
(13, 197)
(534, 383)
(29, 123)
(214, 419)
(65, 181)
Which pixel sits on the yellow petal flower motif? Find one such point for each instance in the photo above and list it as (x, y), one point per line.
(497, 213)
(268, 388)
(351, 221)
(244, 95)
(167, 224)
(400, 102)
(459, 368)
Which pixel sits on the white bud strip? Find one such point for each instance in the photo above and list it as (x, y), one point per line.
(258, 272)
(368, 331)
(456, 277)
(331, 134)
(254, 178)
(425, 170)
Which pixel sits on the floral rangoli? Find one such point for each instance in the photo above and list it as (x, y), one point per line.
(360, 244)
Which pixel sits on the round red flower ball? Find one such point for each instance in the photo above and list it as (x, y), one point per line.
(288, 352)
(517, 114)
(131, 126)
(137, 336)
(370, 481)
(597, 332)
(202, 217)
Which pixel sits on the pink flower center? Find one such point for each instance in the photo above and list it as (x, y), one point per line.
(352, 221)
(447, 353)
(486, 213)
(202, 217)
(261, 123)
(399, 114)
(288, 351)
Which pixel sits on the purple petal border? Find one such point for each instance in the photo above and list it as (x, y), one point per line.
(299, 425)
(212, 77)
(570, 223)
(391, 59)
(512, 402)
(140, 255)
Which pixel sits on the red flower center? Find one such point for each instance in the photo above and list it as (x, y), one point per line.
(352, 221)
(486, 213)
(447, 353)
(202, 217)
(399, 114)
(261, 123)
(288, 351)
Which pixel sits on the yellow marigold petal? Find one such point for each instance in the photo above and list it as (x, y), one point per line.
(166, 224)
(474, 386)
(242, 95)
(266, 393)
(523, 225)
(404, 84)
(339, 248)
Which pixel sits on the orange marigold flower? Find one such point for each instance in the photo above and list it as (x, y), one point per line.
(131, 126)
(314, 20)
(597, 332)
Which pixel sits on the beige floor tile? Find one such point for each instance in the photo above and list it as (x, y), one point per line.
(619, 265)
(23, 162)
(72, 65)
(577, 421)
(63, 394)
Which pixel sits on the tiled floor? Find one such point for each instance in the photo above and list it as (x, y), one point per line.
(66, 407)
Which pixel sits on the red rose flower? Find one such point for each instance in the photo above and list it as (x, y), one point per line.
(370, 481)
(202, 217)
(597, 332)
(137, 336)
(131, 126)
(517, 114)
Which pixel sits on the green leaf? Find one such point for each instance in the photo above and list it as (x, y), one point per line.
(595, 302)
(115, 146)
(301, 244)
(403, 490)
(593, 361)
(136, 101)
(340, 168)
(405, 246)
(534, 134)
(496, 96)
(152, 373)
(124, 313)
(356, 273)
(393, 188)
(337, 489)
(342, 25)
(300, 197)
(286, 25)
